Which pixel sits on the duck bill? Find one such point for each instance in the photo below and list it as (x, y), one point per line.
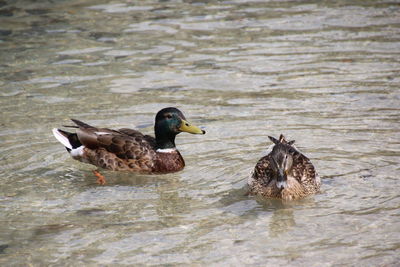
(282, 180)
(189, 128)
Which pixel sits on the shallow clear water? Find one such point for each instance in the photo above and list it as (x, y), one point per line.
(325, 74)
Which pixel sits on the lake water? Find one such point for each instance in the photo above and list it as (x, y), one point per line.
(325, 73)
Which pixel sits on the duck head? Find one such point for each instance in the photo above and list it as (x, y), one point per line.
(170, 122)
(281, 160)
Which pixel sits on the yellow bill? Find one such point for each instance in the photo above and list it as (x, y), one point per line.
(187, 127)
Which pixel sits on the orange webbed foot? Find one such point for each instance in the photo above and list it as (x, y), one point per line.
(101, 180)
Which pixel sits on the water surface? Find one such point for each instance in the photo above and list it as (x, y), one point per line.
(325, 74)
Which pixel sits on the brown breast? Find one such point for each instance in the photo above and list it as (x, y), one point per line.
(168, 162)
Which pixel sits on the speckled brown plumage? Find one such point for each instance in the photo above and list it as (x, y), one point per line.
(125, 150)
(128, 149)
(302, 179)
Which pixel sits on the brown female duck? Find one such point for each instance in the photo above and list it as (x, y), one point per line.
(128, 149)
(284, 173)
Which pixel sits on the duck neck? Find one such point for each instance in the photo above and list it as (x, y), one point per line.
(165, 141)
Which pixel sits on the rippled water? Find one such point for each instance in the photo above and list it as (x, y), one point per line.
(325, 73)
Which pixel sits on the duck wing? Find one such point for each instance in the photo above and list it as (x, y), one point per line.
(136, 134)
(263, 172)
(124, 143)
(304, 171)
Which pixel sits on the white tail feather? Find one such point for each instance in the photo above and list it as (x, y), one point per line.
(61, 138)
(77, 152)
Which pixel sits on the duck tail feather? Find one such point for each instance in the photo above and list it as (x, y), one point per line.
(69, 140)
(81, 124)
(62, 137)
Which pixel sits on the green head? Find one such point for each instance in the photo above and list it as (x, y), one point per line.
(170, 122)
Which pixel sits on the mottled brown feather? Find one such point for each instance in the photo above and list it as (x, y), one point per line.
(302, 179)
(125, 149)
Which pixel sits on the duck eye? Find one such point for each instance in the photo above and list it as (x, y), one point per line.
(169, 116)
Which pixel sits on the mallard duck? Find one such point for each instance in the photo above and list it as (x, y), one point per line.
(128, 149)
(284, 173)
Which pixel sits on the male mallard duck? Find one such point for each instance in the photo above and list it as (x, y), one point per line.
(128, 149)
(284, 173)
